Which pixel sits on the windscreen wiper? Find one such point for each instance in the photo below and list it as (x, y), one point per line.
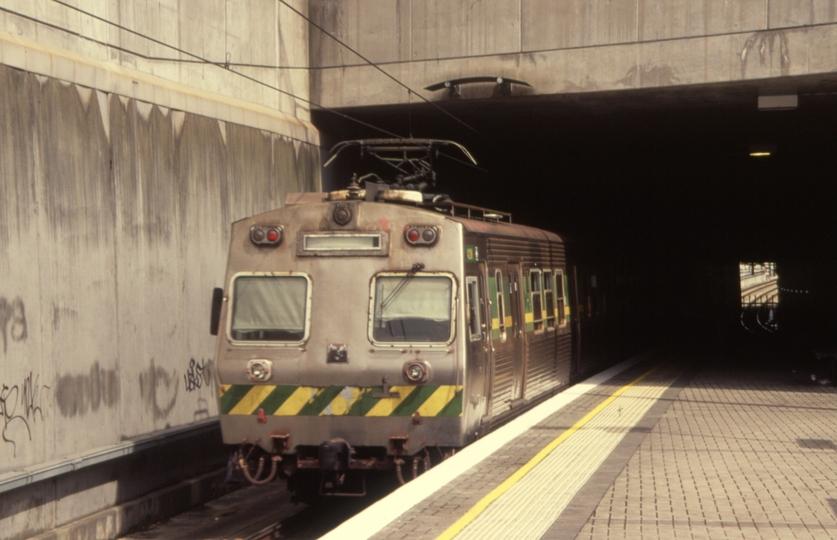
(400, 286)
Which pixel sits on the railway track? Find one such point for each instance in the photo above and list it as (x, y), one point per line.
(260, 513)
(757, 304)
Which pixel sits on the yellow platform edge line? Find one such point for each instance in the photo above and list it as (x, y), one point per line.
(483, 503)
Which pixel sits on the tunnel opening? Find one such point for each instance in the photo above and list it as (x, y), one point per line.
(662, 185)
(759, 298)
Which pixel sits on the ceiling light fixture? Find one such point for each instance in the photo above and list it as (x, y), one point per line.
(762, 150)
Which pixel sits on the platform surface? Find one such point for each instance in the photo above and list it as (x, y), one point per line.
(663, 448)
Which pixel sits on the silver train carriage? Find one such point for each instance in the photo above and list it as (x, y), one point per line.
(363, 330)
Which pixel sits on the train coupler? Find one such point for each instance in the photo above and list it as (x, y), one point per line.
(342, 484)
(335, 455)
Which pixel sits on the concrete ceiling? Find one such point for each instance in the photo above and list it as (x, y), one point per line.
(664, 172)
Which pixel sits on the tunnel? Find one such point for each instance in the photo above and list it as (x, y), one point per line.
(674, 187)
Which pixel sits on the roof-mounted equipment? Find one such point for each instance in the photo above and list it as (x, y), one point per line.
(454, 86)
(411, 159)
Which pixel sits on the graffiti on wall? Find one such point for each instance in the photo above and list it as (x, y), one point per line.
(12, 321)
(158, 389)
(202, 412)
(78, 394)
(198, 374)
(20, 404)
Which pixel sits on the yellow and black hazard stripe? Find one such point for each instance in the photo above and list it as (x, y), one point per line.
(340, 400)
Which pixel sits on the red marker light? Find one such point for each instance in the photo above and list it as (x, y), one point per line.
(421, 235)
(270, 235)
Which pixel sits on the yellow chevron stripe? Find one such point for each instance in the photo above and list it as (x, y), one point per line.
(223, 389)
(296, 401)
(252, 400)
(436, 402)
(385, 406)
(340, 405)
(256, 396)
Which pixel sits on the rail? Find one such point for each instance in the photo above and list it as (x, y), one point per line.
(755, 301)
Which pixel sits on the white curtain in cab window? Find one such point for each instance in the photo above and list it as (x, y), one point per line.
(270, 303)
(418, 297)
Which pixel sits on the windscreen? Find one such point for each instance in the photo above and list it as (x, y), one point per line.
(269, 308)
(413, 309)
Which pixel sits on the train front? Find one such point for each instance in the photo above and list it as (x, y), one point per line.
(337, 351)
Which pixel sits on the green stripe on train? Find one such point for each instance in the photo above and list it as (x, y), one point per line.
(286, 400)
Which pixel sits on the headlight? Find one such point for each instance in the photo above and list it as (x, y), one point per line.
(342, 214)
(259, 370)
(416, 372)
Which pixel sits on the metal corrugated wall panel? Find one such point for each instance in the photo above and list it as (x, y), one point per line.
(526, 251)
(540, 367)
(503, 380)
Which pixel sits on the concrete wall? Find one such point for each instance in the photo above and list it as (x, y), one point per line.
(565, 46)
(119, 178)
(242, 32)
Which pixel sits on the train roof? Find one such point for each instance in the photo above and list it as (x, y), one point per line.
(473, 218)
(505, 229)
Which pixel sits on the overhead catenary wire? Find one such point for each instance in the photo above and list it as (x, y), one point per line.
(138, 54)
(198, 59)
(221, 66)
(374, 65)
(118, 48)
(462, 162)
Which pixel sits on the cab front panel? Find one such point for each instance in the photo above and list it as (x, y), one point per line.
(362, 308)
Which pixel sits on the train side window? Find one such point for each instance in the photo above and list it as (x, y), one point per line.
(560, 302)
(548, 299)
(474, 322)
(537, 299)
(501, 305)
(514, 303)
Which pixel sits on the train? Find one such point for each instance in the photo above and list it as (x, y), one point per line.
(379, 328)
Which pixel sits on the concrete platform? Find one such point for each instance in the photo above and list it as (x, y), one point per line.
(669, 448)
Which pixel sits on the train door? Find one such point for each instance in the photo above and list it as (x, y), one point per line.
(478, 338)
(507, 338)
(517, 335)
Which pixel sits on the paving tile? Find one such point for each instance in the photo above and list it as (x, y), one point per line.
(731, 452)
(734, 454)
